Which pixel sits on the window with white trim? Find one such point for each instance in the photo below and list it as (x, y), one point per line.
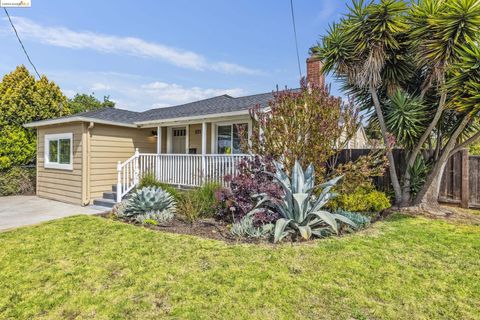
(59, 151)
(229, 138)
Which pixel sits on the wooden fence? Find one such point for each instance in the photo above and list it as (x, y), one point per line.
(460, 182)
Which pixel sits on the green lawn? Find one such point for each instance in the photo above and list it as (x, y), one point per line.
(89, 267)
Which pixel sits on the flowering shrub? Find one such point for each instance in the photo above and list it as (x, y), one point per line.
(307, 125)
(245, 189)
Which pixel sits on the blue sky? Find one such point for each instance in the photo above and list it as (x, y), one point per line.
(148, 54)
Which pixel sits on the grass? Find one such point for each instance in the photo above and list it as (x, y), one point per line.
(89, 267)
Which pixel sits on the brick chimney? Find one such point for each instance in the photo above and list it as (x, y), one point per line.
(314, 72)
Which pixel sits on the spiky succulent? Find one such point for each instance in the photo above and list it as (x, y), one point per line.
(158, 217)
(361, 221)
(246, 228)
(300, 209)
(149, 199)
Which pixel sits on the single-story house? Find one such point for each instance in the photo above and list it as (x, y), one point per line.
(98, 156)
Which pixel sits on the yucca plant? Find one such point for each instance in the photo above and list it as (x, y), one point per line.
(405, 117)
(428, 49)
(148, 199)
(300, 210)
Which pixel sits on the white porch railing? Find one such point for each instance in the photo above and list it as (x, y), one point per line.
(177, 169)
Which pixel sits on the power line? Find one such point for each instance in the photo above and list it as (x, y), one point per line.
(296, 42)
(21, 43)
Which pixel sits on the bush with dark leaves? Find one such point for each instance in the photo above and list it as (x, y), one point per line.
(245, 188)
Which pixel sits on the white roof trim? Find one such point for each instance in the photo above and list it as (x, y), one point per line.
(199, 117)
(75, 119)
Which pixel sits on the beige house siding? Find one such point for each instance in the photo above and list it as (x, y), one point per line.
(195, 137)
(110, 144)
(62, 185)
(96, 151)
(209, 138)
(164, 140)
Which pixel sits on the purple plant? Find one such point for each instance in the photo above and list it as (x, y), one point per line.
(242, 196)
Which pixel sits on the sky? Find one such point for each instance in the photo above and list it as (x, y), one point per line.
(146, 54)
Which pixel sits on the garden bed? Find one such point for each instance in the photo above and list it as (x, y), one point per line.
(203, 228)
(212, 229)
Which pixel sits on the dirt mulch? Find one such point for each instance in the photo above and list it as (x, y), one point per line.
(204, 228)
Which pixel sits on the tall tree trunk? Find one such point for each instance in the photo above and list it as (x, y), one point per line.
(391, 160)
(428, 195)
(411, 160)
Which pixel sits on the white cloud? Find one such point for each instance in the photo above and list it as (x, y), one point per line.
(134, 92)
(98, 86)
(177, 94)
(64, 37)
(69, 93)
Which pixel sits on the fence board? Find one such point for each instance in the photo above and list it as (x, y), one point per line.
(451, 183)
(474, 181)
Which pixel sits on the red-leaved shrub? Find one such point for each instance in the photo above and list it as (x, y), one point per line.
(242, 196)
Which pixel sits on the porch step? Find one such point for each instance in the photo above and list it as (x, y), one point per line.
(110, 195)
(109, 203)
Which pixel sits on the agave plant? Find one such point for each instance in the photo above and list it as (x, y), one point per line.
(300, 210)
(149, 199)
(245, 227)
(157, 216)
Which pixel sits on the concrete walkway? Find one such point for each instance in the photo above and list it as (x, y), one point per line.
(19, 211)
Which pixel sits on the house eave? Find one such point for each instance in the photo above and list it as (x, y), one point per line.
(50, 122)
(191, 118)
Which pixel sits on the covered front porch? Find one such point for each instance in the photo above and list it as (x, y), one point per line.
(189, 153)
(207, 137)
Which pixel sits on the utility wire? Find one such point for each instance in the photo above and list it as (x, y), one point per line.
(296, 42)
(21, 43)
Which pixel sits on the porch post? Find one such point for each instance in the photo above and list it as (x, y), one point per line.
(204, 150)
(187, 138)
(213, 144)
(159, 151)
(159, 140)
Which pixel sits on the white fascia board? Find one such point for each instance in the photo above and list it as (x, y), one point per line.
(76, 119)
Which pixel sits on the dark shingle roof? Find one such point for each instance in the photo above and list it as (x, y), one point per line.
(109, 114)
(219, 104)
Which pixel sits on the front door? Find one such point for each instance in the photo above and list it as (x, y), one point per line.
(179, 139)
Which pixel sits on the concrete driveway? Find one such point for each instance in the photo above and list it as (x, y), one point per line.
(19, 211)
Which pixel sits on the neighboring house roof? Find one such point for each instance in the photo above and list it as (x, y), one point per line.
(223, 104)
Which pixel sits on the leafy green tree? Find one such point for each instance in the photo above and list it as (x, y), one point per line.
(16, 146)
(24, 99)
(415, 65)
(87, 102)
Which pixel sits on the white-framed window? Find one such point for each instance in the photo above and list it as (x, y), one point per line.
(59, 151)
(229, 137)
